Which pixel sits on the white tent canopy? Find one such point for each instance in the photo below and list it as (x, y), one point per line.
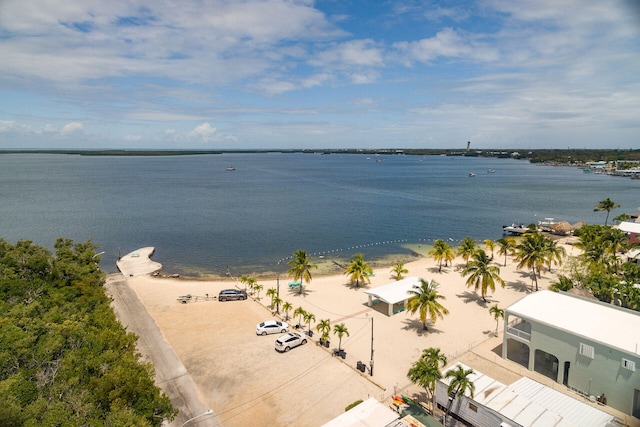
(393, 293)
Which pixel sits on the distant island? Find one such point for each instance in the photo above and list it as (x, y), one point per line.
(554, 156)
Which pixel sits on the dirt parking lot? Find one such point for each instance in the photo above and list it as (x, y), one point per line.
(240, 375)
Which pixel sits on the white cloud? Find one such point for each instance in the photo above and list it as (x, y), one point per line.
(447, 43)
(203, 132)
(73, 127)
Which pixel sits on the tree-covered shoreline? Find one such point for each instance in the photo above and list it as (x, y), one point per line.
(64, 357)
(558, 156)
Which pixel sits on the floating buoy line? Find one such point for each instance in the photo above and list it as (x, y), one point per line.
(369, 245)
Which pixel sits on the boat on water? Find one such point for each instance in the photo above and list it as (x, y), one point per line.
(514, 229)
(471, 174)
(230, 168)
(491, 171)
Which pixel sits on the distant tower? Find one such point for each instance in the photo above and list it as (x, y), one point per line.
(468, 145)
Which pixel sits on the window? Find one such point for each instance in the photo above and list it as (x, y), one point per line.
(473, 407)
(629, 364)
(587, 350)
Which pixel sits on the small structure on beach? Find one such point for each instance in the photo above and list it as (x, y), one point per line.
(394, 294)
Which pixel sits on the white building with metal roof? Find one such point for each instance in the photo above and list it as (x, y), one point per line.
(394, 294)
(589, 346)
(524, 403)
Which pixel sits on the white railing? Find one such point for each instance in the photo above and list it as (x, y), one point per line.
(520, 334)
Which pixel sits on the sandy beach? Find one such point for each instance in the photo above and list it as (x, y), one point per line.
(246, 382)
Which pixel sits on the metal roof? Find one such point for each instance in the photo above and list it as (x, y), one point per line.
(530, 403)
(592, 320)
(369, 413)
(394, 292)
(630, 227)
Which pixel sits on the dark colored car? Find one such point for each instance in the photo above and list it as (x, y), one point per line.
(231, 295)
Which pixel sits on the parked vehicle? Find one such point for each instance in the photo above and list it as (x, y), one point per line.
(288, 341)
(271, 327)
(231, 295)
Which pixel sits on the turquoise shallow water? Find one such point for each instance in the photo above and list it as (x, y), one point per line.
(202, 218)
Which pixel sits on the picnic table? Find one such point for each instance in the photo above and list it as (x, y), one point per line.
(187, 298)
(293, 285)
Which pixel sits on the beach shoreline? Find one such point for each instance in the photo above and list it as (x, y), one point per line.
(308, 386)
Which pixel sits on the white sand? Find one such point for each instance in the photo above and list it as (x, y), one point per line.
(201, 334)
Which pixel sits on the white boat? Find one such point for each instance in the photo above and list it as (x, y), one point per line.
(230, 168)
(491, 171)
(471, 174)
(514, 229)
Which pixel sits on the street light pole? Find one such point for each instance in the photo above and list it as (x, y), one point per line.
(209, 412)
(371, 360)
(278, 294)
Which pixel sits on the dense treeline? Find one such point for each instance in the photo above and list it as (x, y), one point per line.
(562, 156)
(64, 358)
(602, 268)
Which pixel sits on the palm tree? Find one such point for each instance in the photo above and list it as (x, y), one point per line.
(399, 270)
(425, 300)
(257, 287)
(531, 252)
(324, 327)
(249, 282)
(273, 293)
(606, 205)
(555, 253)
(245, 281)
(621, 218)
(482, 274)
(300, 267)
(286, 306)
(358, 270)
(308, 318)
(340, 330)
(563, 283)
(277, 301)
(489, 245)
(497, 313)
(459, 384)
(467, 248)
(442, 251)
(435, 355)
(300, 312)
(506, 246)
(426, 371)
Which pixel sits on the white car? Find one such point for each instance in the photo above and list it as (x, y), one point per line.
(288, 341)
(272, 327)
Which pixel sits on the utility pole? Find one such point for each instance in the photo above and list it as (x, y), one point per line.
(371, 361)
(278, 293)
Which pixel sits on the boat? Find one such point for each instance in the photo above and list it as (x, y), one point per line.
(491, 171)
(471, 174)
(230, 168)
(515, 229)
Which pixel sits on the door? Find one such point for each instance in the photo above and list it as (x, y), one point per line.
(565, 377)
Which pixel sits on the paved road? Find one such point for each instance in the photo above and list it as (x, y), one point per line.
(171, 374)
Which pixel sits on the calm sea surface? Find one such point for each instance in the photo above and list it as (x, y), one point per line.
(202, 218)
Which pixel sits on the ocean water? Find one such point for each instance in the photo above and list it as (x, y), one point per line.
(203, 219)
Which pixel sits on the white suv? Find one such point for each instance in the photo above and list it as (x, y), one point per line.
(288, 341)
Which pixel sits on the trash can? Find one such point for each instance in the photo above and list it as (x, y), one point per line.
(310, 333)
(360, 366)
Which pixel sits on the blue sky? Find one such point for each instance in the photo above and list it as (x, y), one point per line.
(216, 74)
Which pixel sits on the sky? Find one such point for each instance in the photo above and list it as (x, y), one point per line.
(304, 74)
